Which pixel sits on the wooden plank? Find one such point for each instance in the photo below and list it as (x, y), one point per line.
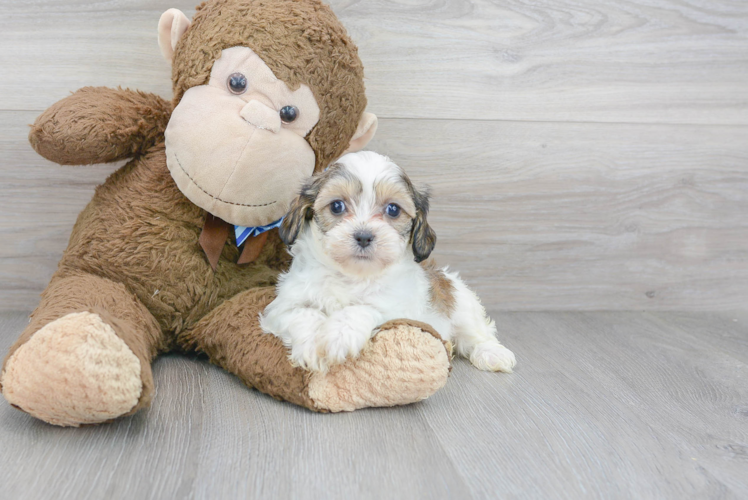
(582, 216)
(653, 61)
(534, 215)
(591, 60)
(602, 405)
(727, 333)
(55, 53)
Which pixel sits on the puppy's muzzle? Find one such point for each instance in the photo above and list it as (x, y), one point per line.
(363, 238)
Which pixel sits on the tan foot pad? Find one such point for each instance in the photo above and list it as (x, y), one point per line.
(73, 371)
(400, 365)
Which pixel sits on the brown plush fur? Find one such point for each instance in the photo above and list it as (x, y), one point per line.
(414, 361)
(128, 235)
(301, 41)
(424, 327)
(109, 125)
(232, 337)
(131, 321)
(134, 257)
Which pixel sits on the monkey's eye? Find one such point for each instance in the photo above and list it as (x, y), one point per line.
(337, 207)
(393, 210)
(237, 83)
(289, 113)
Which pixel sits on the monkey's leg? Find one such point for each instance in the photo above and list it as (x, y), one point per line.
(404, 363)
(85, 356)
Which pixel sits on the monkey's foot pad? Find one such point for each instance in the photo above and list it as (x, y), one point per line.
(73, 371)
(402, 364)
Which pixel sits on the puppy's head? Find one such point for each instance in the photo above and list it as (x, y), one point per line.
(364, 214)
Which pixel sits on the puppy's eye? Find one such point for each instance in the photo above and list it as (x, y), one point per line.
(337, 207)
(237, 83)
(289, 113)
(393, 210)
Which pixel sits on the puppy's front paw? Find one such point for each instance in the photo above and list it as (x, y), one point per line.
(492, 356)
(344, 339)
(307, 353)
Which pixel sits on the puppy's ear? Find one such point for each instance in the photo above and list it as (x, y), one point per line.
(299, 213)
(301, 209)
(423, 237)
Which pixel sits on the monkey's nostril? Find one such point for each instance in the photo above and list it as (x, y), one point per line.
(363, 238)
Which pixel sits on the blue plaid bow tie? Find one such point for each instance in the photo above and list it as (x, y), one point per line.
(242, 233)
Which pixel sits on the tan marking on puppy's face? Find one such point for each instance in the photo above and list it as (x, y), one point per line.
(340, 186)
(396, 191)
(364, 219)
(414, 204)
(364, 213)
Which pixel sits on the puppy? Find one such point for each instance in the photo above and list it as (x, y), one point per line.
(360, 239)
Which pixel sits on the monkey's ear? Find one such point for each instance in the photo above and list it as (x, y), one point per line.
(367, 127)
(171, 27)
(423, 237)
(298, 214)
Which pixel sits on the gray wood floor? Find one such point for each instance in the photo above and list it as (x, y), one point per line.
(602, 405)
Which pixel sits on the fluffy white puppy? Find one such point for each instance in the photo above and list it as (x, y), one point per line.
(360, 239)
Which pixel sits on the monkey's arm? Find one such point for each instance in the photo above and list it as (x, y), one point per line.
(405, 362)
(99, 125)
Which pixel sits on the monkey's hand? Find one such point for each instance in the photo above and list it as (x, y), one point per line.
(99, 125)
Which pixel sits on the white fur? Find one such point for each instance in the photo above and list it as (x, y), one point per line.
(327, 309)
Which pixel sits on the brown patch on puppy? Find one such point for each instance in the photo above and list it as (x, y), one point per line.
(397, 192)
(402, 224)
(339, 184)
(441, 288)
(326, 220)
(423, 237)
(414, 204)
(320, 190)
(299, 212)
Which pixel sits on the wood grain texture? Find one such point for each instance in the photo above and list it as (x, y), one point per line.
(602, 405)
(535, 216)
(616, 405)
(585, 216)
(653, 61)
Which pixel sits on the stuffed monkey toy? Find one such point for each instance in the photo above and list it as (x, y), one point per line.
(178, 248)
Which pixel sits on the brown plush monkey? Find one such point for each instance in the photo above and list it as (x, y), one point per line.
(265, 93)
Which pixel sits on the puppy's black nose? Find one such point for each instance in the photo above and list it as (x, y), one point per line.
(363, 238)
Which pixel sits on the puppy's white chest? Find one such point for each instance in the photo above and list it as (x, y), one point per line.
(383, 295)
(397, 295)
